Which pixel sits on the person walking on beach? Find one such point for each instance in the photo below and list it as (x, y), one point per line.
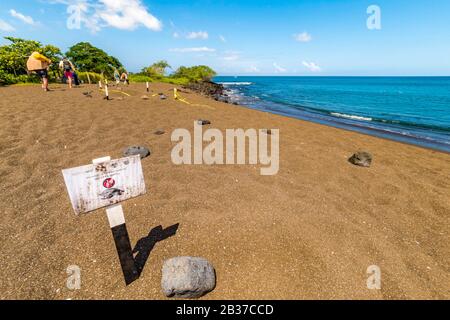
(39, 64)
(117, 76)
(68, 69)
(124, 78)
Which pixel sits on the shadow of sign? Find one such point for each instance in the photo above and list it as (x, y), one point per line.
(145, 245)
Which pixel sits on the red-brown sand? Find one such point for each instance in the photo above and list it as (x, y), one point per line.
(309, 232)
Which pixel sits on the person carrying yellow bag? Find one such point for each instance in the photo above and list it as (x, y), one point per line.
(39, 63)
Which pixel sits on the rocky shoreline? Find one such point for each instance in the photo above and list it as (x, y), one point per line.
(212, 90)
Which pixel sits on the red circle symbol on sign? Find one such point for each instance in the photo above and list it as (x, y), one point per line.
(109, 183)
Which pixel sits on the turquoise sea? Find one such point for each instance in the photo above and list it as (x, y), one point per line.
(414, 110)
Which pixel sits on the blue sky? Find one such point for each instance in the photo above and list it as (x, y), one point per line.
(309, 37)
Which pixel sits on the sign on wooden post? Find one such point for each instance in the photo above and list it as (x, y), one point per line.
(105, 183)
(99, 185)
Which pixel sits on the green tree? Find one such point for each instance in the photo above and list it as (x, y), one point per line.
(14, 56)
(88, 58)
(195, 74)
(156, 69)
(54, 54)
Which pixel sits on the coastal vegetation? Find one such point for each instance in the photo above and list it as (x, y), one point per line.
(92, 64)
(182, 76)
(13, 59)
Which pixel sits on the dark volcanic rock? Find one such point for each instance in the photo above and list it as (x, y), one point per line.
(207, 88)
(362, 159)
(132, 151)
(203, 122)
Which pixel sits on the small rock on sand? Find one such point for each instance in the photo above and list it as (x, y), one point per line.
(136, 150)
(362, 159)
(187, 277)
(144, 97)
(203, 122)
(159, 132)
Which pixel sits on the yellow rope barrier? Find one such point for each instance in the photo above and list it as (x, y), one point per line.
(178, 97)
(117, 91)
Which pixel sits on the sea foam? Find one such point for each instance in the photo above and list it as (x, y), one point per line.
(348, 116)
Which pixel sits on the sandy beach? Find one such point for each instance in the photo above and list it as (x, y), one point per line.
(309, 232)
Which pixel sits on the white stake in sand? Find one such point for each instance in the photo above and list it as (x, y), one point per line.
(100, 84)
(106, 92)
(147, 87)
(116, 219)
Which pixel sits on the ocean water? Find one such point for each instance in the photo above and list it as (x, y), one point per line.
(414, 110)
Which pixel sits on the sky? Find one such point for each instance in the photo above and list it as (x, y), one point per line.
(248, 37)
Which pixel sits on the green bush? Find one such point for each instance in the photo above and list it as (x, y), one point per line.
(140, 78)
(8, 79)
(156, 69)
(5, 78)
(95, 77)
(145, 78)
(176, 81)
(14, 56)
(195, 74)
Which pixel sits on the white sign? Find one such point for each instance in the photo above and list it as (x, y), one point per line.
(104, 184)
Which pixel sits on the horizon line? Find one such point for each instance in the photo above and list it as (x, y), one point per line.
(340, 76)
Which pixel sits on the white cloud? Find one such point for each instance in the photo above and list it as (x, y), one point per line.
(278, 68)
(222, 38)
(127, 15)
(312, 66)
(197, 35)
(119, 14)
(6, 27)
(303, 37)
(201, 49)
(21, 17)
(176, 35)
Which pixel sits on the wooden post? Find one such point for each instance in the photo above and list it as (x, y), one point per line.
(100, 84)
(89, 78)
(116, 219)
(106, 92)
(147, 87)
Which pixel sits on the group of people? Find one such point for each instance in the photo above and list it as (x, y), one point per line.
(68, 69)
(121, 77)
(40, 64)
